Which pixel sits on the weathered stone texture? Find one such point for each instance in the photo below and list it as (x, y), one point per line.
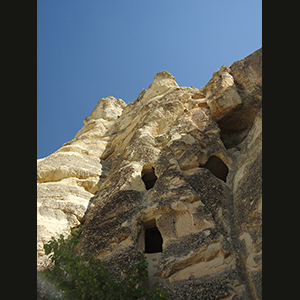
(68, 178)
(180, 160)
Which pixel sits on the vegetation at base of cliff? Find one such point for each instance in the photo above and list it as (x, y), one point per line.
(83, 277)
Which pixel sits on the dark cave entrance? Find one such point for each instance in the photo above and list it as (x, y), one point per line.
(148, 176)
(150, 239)
(153, 240)
(217, 167)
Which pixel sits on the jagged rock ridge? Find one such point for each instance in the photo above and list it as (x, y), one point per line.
(177, 171)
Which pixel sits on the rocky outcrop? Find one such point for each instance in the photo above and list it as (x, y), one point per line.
(175, 174)
(234, 96)
(68, 178)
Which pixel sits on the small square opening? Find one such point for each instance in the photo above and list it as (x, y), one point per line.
(153, 240)
(150, 239)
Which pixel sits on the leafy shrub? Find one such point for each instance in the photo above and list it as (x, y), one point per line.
(83, 277)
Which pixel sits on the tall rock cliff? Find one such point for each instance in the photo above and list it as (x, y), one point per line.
(175, 174)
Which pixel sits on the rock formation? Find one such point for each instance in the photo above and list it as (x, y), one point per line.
(175, 174)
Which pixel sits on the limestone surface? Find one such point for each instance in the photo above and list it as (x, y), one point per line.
(175, 174)
(68, 178)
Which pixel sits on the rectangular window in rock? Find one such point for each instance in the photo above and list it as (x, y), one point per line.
(153, 240)
(150, 239)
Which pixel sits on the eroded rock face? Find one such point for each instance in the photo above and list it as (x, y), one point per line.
(234, 96)
(68, 178)
(179, 168)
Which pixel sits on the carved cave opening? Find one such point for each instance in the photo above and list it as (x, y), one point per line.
(217, 167)
(150, 239)
(148, 176)
(153, 240)
(235, 126)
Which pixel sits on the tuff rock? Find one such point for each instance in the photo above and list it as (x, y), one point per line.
(175, 174)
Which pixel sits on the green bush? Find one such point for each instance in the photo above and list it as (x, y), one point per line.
(83, 277)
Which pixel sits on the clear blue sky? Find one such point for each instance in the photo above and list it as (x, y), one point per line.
(87, 50)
